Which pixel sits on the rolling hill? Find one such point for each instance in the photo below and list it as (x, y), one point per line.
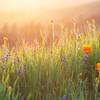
(86, 11)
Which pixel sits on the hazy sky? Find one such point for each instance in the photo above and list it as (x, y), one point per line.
(30, 4)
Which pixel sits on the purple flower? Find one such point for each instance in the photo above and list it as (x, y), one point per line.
(4, 58)
(86, 59)
(22, 98)
(21, 71)
(16, 60)
(9, 55)
(64, 98)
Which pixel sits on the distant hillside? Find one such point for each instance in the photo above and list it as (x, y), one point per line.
(87, 11)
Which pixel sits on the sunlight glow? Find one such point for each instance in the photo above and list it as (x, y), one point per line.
(32, 4)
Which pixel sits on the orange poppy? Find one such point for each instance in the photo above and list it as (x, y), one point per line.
(98, 67)
(87, 48)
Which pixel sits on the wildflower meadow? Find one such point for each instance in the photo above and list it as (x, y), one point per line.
(66, 69)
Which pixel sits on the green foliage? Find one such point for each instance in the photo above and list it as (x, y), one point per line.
(46, 73)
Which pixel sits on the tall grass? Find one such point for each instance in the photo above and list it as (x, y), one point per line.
(49, 73)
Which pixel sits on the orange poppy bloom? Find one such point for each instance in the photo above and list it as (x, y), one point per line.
(87, 48)
(98, 67)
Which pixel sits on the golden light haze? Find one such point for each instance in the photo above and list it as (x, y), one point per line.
(22, 11)
(12, 5)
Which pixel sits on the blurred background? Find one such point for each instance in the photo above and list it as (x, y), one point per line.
(27, 19)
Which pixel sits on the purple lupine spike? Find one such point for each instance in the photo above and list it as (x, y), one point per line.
(21, 71)
(9, 54)
(3, 59)
(64, 98)
(16, 60)
(22, 98)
